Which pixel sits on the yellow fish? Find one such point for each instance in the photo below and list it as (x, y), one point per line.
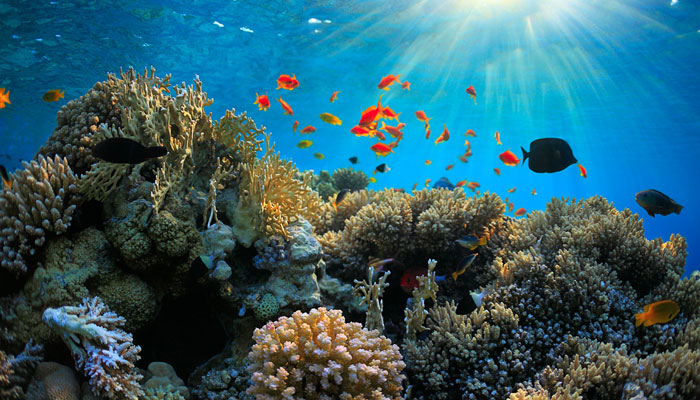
(4, 97)
(304, 144)
(660, 312)
(372, 179)
(331, 119)
(53, 95)
(319, 156)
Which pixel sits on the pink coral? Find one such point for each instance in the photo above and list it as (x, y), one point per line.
(104, 351)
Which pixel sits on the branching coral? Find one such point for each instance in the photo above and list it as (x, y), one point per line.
(370, 293)
(15, 371)
(320, 356)
(349, 178)
(42, 200)
(271, 198)
(100, 348)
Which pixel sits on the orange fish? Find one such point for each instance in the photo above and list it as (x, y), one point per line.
(583, 171)
(4, 97)
(463, 159)
(428, 162)
(497, 171)
(510, 206)
(287, 82)
(498, 138)
(388, 113)
(444, 136)
(372, 179)
(334, 96)
(427, 133)
(422, 117)
(286, 107)
(509, 158)
(470, 133)
(381, 149)
(534, 193)
(388, 81)
(360, 131)
(466, 143)
(461, 183)
(406, 85)
(377, 134)
(371, 113)
(472, 92)
(262, 101)
(53, 95)
(415, 184)
(511, 190)
(659, 312)
(473, 185)
(427, 182)
(295, 126)
(394, 131)
(308, 129)
(520, 212)
(449, 167)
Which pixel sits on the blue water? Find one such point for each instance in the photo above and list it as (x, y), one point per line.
(617, 79)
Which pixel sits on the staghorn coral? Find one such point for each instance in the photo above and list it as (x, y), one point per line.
(349, 178)
(99, 347)
(320, 356)
(41, 201)
(371, 293)
(16, 371)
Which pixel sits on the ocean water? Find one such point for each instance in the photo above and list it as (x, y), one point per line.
(616, 79)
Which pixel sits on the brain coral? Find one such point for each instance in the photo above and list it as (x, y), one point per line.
(320, 356)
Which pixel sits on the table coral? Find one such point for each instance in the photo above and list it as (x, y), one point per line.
(100, 348)
(317, 355)
(41, 201)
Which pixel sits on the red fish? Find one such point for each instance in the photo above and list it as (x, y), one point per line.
(427, 133)
(444, 136)
(378, 135)
(381, 149)
(427, 182)
(520, 212)
(460, 183)
(388, 113)
(408, 279)
(287, 82)
(534, 193)
(370, 114)
(511, 190)
(414, 186)
(406, 85)
(4, 97)
(472, 93)
(334, 96)
(422, 117)
(497, 171)
(360, 131)
(583, 171)
(509, 158)
(498, 137)
(449, 167)
(388, 81)
(473, 185)
(286, 107)
(308, 129)
(428, 162)
(470, 133)
(262, 101)
(510, 206)
(295, 126)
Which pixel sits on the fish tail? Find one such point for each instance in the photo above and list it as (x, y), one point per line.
(525, 154)
(157, 151)
(678, 208)
(639, 319)
(454, 276)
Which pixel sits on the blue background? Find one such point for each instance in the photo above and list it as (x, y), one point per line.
(617, 79)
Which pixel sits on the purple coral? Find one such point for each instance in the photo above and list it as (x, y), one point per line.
(105, 352)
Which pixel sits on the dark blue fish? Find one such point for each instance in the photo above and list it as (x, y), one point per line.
(655, 202)
(126, 151)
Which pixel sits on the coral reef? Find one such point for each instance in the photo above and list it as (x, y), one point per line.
(41, 201)
(16, 371)
(100, 348)
(349, 178)
(53, 381)
(318, 355)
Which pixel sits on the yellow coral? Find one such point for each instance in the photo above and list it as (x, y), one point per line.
(319, 356)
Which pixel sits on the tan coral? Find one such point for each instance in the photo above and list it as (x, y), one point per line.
(41, 201)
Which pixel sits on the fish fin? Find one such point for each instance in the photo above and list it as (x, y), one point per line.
(678, 208)
(525, 154)
(157, 151)
(638, 319)
(647, 307)
(454, 276)
(648, 322)
(651, 214)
